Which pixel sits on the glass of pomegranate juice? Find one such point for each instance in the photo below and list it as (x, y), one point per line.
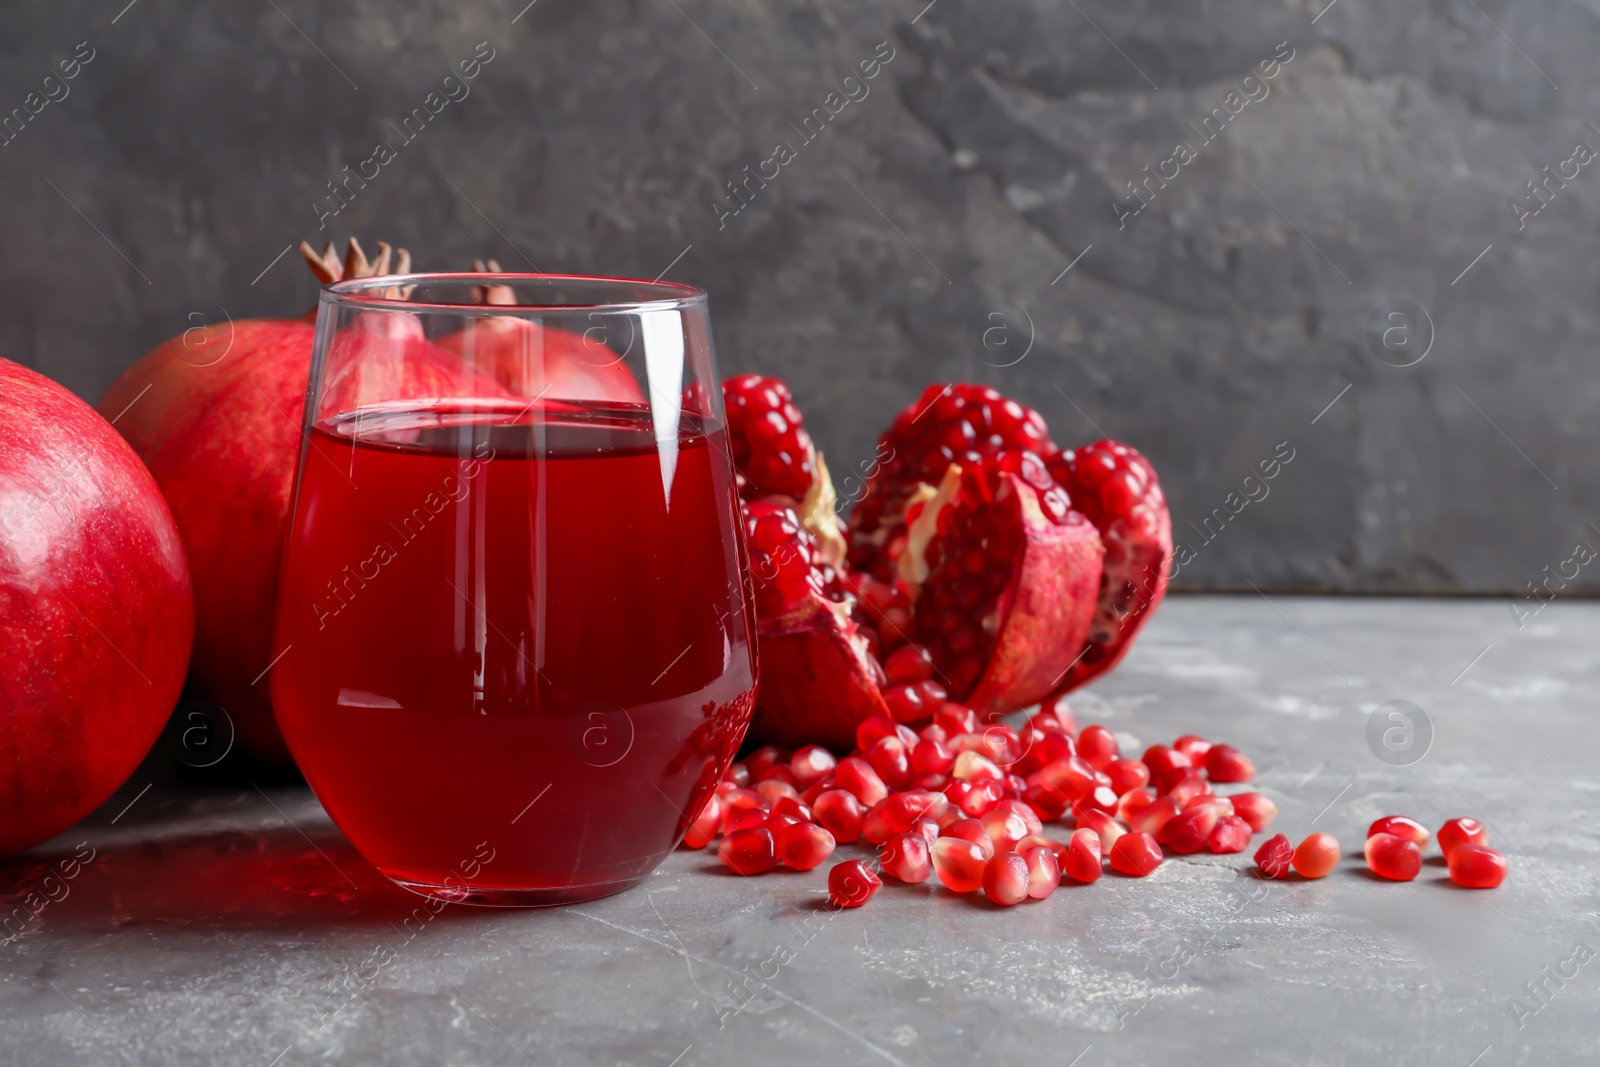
(514, 650)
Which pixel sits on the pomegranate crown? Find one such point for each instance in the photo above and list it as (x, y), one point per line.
(329, 268)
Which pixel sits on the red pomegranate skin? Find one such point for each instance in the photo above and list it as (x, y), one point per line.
(96, 611)
(219, 427)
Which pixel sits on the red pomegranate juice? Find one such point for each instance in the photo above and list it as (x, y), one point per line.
(510, 665)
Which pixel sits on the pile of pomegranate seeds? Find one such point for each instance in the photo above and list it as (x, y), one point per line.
(967, 806)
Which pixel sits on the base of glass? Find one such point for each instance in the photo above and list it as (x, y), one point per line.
(513, 896)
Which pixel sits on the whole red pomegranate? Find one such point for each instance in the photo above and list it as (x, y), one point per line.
(96, 612)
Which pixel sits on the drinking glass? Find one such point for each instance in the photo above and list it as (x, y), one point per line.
(514, 639)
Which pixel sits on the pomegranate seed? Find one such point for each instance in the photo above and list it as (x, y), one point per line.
(811, 764)
(1004, 827)
(1057, 708)
(748, 851)
(803, 845)
(870, 731)
(738, 774)
(928, 829)
(1006, 879)
(1051, 747)
(1070, 779)
(1316, 855)
(1127, 774)
(852, 883)
(934, 732)
(1097, 746)
(973, 831)
(1135, 854)
(1044, 870)
(1133, 802)
(877, 825)
(1040, 841)
(1105, 827)
(1475, 866)
(1045, 804)
(892, 760)
(1400, 826)
(906, 857)
(1274, 857)
(1232, 834)
(1195, 748)
(932, 757)
(810, 793)
(840, 813)
(982, 797)
(738, 799)
(1393, 857)
(858, 777)
(1224, 763)
(916, 804)
(960, 864)
(1188, 831)
(1082, 861)
(1154, 817)
(972, 766)
(1164, 763)
(773, 788)
(763, 759)
(908, 664)
(793, 808)
(779, 774)
(705, 825)
(1254, 809)
(1461, 832)
(956, 719)
(737, 819)
(1187, 788)
(910, 703)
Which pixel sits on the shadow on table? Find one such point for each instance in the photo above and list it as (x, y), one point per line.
(269, 879)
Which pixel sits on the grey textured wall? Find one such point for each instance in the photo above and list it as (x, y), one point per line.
(923, 232)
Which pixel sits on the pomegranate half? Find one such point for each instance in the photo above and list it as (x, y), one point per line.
(96, 611)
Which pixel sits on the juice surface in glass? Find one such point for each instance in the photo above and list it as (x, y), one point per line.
(513, 663)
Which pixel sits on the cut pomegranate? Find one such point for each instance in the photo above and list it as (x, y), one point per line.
(1044, 869)
(1002, 572)
(906, 857)
(1135, 854)
(947, 424)
(1254, 809)
(1232, 834)
(1466, 831)
(1274, 857)
(1475, 866)
(749, 851)
(771, 448)
(960, 864)
(1394, 858)
(1116, 488)
(819, 676)
(1316, 855)
(1006, 879)
(1401, 826)
(1082, 861)
(705, 825)
(852, 883)
(1224, 763)
(802, 845)
(840, 813)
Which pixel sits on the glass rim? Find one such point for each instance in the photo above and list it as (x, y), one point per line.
(370, 293)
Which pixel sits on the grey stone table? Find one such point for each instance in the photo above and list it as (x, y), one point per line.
(235, 926)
